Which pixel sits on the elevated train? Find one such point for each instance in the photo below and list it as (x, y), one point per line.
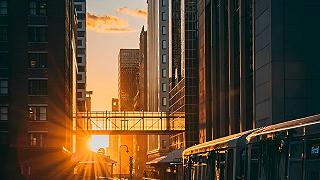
(284, 151)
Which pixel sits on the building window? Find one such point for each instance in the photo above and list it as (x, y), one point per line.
(38, 7)
(3, 33)
(79, 42)
(164, 3)
(164, 30)
(38, 87)
(4, 138)
(164, 87)
(80, 25)
(38, 60)
(164, 44)
(164, 58)
(163, 16)
(4, 110)
(78, 7)
(80, 33)
(38, 139)
(4, 62)
(3, 7)
(164, 101)
(37, 113)
(81, 51)
(81, 16)
(38, 34)
(4, 87)
(79, 77)
(79, 59)
(79, 95)
(164, 73)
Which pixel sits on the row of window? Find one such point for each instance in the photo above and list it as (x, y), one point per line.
(35, 60)
(35, 113)
(35, 139)
(36, 7)
(36, 87)
(3, 7)
(36, 34)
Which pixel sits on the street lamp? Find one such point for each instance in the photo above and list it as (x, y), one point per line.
(120, 156)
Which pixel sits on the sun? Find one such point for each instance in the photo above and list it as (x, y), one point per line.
(98, 141)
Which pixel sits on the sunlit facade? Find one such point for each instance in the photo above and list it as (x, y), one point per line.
(158, 66)
(80, 6)
(37, 101)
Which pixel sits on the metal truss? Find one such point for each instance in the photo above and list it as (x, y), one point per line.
(129, 122)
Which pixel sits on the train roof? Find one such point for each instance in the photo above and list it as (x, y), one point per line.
(214, 144)
(302, 122)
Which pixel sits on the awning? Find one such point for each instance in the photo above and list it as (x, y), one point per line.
(174, 156)
(156, 160)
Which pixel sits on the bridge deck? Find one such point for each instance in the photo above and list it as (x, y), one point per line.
(100, 122)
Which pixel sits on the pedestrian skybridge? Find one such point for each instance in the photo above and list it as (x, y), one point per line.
(135, 122)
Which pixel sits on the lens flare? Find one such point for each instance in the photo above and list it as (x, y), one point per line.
(96, 142)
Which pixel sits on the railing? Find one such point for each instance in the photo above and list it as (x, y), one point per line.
(134, 121)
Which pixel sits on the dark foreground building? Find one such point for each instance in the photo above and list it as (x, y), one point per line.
(259, 64)
(38, 76)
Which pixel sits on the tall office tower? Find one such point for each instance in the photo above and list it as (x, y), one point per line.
(37, 87)
(157, 69)
(184, 70)
(140, 100)
(128, 65)
(286, 60)
(225, 66)
(80, 6)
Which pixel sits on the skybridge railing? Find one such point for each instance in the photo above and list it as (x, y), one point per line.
(131, 122)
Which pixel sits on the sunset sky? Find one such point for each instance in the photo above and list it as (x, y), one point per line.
(111, 25)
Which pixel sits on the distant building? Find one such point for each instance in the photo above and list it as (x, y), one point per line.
(115, 104)
(140, 100)
(37, 88)
(128, 65)
(80, 6)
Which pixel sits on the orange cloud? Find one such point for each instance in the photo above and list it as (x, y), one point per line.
(106, 23)
(132, 12)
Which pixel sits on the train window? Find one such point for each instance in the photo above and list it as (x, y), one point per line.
(230, 164)
(313, 149)
(254, 163)
(295, 161)
(312, 159)
(296, 151)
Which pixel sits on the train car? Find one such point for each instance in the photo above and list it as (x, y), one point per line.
(218, 159)
(288, 150)
(284, 151)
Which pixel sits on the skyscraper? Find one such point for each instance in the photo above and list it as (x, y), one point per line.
(286, 60)
(157, 69)
(128, 78)
(80, 6)
(184, 70)
(226, 76)
(257, 64)
(37, 85)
